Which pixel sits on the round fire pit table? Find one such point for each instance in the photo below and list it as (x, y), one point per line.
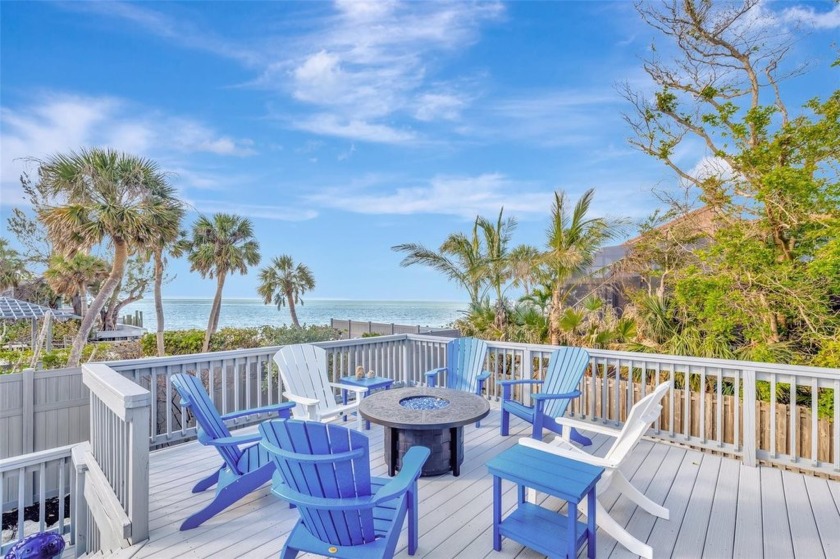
(430, 417)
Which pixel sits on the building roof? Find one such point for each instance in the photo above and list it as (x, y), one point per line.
(15, 309)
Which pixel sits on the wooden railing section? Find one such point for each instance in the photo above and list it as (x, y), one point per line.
(112, 471)
(34, 479)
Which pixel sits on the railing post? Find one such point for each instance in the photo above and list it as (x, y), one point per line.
(749, 448)
(525, 374)
(138, 474)
(79, 516)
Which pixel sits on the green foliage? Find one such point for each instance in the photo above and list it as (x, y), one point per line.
(371, 334)
(185, 342)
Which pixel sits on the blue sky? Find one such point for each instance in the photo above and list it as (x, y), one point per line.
(344, 128)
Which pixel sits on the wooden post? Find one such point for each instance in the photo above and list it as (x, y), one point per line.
(79, 516)
(138, 475)
(749, 449)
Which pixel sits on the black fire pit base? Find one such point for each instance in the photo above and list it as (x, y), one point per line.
(446, 445)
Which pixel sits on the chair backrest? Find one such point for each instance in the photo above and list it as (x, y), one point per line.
(642, 414)
(326, 461)
(464, 362)
(566, 366)
(303, 369)
(210, 425)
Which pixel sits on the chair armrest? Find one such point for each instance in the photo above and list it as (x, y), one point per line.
(277, 408)
(321, 503)
(349, 387)
(234, 440)
(411, 468)
(523, 381)
(588, 426)
(300, 399)
(484, 375)
(567, 395)
(577, 455)
(430, 376)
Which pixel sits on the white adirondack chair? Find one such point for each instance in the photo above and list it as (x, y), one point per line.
(303, 369)
(641, 416)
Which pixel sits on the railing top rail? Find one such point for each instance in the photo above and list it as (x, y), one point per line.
(116, 391)
(149, 362)
(731, 364)
(35, 458)
(331, 344)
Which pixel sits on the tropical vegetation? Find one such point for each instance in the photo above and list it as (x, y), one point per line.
(221, 245)
(284, 282)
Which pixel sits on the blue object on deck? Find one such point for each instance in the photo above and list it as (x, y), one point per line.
(245, 468)
(543, 530)
(344, 512)
(464, 367)
(43, 545)
(562, 378)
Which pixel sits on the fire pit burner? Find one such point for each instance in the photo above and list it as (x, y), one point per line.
(424, 403)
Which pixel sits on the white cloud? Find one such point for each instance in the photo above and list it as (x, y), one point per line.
(810, 17)
(183, 33)
(355, 129)
(64, 122)
(439, 106)
(461, 196)
(373, 61)
(549, 118)
(279, 213)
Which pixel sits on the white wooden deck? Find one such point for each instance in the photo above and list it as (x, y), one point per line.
(719, 508)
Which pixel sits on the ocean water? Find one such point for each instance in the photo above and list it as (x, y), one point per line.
(183, 314)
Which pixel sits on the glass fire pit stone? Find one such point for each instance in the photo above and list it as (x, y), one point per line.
(424, 403)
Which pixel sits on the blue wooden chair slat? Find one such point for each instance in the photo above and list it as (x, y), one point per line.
(325, 471)
(464, 364)
(566, 366)
(245, 467)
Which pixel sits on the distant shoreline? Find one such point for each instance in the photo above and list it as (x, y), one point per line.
(192, 312)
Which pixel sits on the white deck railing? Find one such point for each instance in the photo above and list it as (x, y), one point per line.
(729, 406)
(33, 479)
(736, 407)
(112, 484)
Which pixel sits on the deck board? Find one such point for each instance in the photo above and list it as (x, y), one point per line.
(776, 540)
(719, 507)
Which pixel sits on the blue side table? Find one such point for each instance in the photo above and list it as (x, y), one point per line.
(543, 530)
(372, 384)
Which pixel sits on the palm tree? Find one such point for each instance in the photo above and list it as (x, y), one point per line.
(459, 258)
(102, 195)
(496, 260)
(523, 264)
(573, 240)
(218, 246)
(73, 276)
(12, 268)
(174, 247)
(283, 282)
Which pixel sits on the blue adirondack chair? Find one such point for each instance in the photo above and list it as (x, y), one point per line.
(562, 377)
(245, 468)
(344, 512)
(464, 364)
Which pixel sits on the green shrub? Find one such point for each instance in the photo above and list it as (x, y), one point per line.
(183, 342)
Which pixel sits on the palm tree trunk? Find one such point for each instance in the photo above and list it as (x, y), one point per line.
(83, 299)
(290, 298)
(161, 350)
(213, 321)
(554, 317)
(109, 321)
(117, 269)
